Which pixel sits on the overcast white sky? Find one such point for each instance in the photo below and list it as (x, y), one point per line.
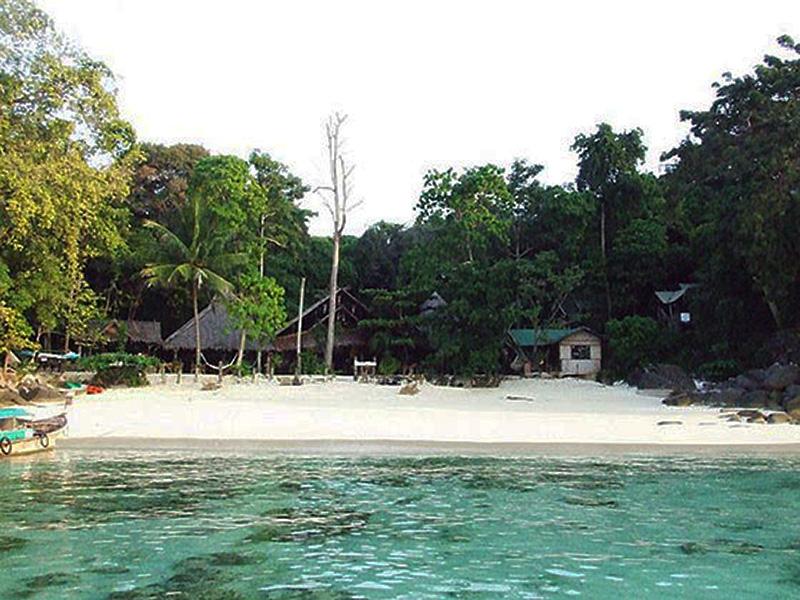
(426, 83)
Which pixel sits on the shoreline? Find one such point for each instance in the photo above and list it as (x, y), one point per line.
(520, 415)
(409, 448)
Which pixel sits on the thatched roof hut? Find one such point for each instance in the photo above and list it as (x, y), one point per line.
(217, 332)
(349, 311)
(142, 332)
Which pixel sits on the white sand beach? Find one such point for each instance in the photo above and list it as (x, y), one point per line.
(552, 412)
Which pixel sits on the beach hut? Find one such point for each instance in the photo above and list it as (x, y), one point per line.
(350, 341)
(139, 335)
(566, 352)
(218, 336)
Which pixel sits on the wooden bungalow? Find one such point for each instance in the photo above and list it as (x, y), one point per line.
(351, 342)
(218, 337)
(565, 352)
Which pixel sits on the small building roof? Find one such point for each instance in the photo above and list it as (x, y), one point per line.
(672, 296)
(543, 337)
(432, 304)
(147, 332)
(216, 332)
(349, 311)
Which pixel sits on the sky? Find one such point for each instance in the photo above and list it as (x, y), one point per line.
(425, 84)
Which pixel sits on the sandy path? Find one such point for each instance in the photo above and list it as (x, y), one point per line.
(561, 411)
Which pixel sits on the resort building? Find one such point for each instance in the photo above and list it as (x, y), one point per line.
(220, 339)
(139, 336)
(350, 341)
(574, 352)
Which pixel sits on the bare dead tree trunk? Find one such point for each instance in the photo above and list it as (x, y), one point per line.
(335, 197)
(332, 290)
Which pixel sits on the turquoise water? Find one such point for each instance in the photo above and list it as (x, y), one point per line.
(131, 525)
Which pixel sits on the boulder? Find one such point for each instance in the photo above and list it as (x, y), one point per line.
(779, 377)
(409, 389)
(757, 375)
(662, 377)
(754, 399)
(10, 398)
(792, 391)
(761, 419)
(681, 399)
(746, 383)
(749, 414)
(40, 393)
(725, 397)
(777, 418)
(791, 404)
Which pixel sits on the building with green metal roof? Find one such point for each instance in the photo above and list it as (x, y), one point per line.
(566, 352)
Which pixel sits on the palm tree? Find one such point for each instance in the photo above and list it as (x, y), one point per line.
(193, 253)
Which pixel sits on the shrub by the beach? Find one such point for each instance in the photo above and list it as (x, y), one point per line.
(119, 368)
(312, 363)
(717, 370)
(389, 365)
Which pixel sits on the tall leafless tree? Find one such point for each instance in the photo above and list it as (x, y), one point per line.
(336, 198)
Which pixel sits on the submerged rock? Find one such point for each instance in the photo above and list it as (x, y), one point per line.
(299, 525)
(721, 546)
(591, 502)
(9, 543)
(34, 585)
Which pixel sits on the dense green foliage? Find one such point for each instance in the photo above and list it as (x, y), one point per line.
(632, 341)
(118, 368)
(89, 218)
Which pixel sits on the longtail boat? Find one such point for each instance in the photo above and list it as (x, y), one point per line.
(26, 430)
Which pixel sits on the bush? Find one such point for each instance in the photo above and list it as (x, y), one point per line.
(312, 364)
(632, 342)
(720, 369)
(389, 365)
(118, 368)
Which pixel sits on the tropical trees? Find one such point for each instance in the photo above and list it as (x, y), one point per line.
(195, 254)
(64, 168)
(735, 179)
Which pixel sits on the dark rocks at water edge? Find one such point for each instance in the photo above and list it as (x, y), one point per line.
(775, 389)
(661, 377)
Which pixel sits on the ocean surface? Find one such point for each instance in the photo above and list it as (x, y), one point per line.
(167, 524)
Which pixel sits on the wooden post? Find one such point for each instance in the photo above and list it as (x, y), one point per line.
(180, 372)
(299, 366)
(219, 372)
(163, 372)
